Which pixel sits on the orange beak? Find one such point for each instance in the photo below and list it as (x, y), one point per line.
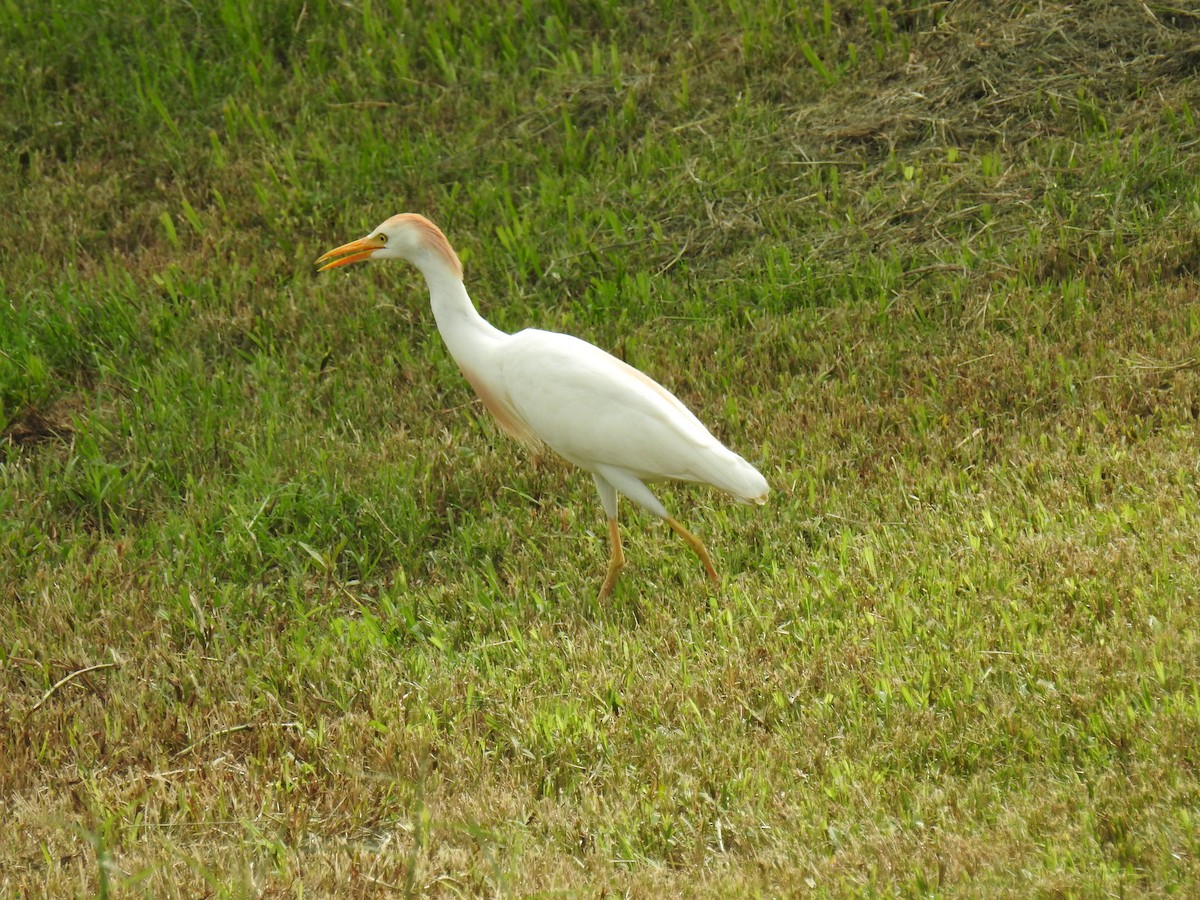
(353, 252)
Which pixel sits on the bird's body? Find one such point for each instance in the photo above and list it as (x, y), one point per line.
(591, 408)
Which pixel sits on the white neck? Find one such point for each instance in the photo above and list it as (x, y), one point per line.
(467, 334)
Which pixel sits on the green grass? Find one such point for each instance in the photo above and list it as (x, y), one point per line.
(281, 613)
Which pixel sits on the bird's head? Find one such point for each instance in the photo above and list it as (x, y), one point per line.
(407, 236)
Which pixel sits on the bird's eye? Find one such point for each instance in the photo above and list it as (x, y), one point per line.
(382, 238)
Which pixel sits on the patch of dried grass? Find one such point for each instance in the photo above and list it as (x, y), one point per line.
(989, 73)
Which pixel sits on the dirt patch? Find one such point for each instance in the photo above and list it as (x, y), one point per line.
(32, 427)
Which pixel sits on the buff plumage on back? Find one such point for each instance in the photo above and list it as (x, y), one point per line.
(432, 237)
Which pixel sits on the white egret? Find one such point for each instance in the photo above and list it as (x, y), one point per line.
(543, 387)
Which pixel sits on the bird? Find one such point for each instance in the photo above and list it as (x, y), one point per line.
(553, 389)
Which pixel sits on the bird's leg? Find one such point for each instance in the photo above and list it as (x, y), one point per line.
(616, 561)
(696, 544)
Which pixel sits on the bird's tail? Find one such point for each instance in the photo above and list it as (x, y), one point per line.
(735, 476)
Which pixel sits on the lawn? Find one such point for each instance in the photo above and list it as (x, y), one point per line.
(283, 613)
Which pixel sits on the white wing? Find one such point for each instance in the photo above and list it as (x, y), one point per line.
(594, 410)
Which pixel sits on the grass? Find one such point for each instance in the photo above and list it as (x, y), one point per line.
(282, 614)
